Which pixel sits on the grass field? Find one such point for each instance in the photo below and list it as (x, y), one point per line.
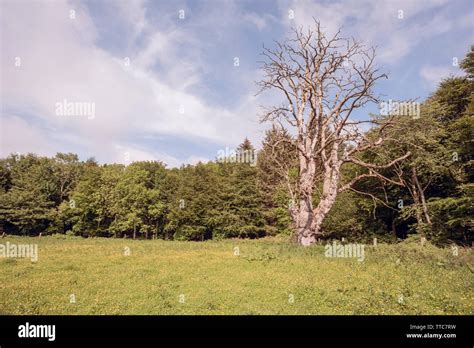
(268, 276)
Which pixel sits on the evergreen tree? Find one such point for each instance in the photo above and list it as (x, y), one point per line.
(277, 144)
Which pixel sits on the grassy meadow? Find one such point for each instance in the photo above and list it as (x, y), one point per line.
(267, 276)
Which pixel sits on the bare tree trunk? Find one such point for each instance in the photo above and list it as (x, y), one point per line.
(422, 196)
(323, 82)
(416, 197)
(305, 222)
(330, 190)
(321, 211)
(394, 229)
(304, 215)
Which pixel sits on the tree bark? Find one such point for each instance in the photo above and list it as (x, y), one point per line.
(416, 197)
(304, 220)
(321, 92)
(304, 214)
(422, 196)
(330, 190)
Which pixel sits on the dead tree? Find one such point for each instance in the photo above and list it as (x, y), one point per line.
(323, 80)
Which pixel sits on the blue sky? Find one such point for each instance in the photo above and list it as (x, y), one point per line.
(166, 88)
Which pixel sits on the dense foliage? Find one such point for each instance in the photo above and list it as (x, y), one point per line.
(225, 199)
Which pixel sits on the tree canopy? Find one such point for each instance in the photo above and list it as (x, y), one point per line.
(429, 192)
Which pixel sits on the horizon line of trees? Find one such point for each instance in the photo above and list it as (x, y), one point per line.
(228, 199)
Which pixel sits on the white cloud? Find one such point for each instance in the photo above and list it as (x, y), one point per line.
(258, 20)
(17, 136)
(60, 60)
(376, 22)
(433, 75)
(133, 12)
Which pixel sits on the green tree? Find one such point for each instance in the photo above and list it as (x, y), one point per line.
(276, 166)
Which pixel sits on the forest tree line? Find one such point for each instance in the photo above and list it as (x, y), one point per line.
(222, 199)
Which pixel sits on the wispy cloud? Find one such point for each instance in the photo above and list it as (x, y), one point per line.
(61, 61)
(433, 75)
(152, 75)
(395, 27)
